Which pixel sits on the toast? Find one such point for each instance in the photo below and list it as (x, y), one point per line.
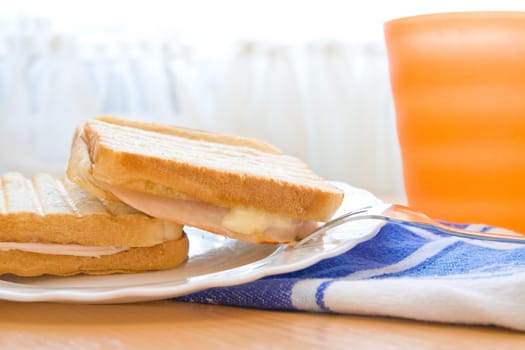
(51, 226)
(250, 187)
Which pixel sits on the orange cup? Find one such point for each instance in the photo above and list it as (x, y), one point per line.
(458, 82)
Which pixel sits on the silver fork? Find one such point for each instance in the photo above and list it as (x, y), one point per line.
(402, 214)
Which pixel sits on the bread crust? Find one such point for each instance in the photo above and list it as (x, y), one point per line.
(304, 197)
(79, 168)
(159, 257)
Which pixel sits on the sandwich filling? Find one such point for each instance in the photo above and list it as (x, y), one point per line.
(253, 224)
(61, 249)
(171, 232)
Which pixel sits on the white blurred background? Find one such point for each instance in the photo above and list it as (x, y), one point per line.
(309, 76)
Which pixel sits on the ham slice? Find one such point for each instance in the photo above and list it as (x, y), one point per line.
(252, 224)
(61, 249)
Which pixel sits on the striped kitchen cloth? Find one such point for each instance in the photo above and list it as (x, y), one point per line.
(403, 271)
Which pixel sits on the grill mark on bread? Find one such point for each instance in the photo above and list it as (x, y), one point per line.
(65, 195)
(33, 195)
(50, 196)
(166, 146)
(15, 193)
(85, 203)
(192, 134)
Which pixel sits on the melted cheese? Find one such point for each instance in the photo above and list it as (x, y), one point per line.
(244, 221)
(251, 221)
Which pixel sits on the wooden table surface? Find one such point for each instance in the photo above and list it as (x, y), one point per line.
(170, 325)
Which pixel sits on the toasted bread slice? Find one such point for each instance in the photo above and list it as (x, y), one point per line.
(221, 170)
(111, 157)
(46, 210)
(159, 257)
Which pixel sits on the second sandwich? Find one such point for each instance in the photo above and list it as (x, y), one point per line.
(54, 227)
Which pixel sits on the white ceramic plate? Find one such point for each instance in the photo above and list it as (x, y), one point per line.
(213, 261)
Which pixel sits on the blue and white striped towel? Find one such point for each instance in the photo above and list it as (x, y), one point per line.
(403, 271)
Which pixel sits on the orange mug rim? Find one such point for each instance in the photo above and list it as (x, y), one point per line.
(456, 15)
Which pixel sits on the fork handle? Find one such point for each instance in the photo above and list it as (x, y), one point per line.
(404, 215)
